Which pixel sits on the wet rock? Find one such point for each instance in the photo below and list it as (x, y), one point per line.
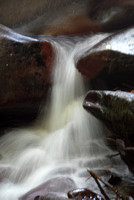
(109, 59)
(83, 194)
(114, 109)
(67, 16)
(97, 17)
(114, 15)
(25, 71)
(126, 153)
(55, 187)
(108, 66)
(39, 198)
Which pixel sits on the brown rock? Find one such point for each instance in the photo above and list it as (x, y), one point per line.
(25, 71)
(83, 193)
(111, 60)
(107, 65)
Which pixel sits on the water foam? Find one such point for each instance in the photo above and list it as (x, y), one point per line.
(67, 137)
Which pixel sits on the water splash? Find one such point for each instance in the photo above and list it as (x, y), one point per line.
(67, 137)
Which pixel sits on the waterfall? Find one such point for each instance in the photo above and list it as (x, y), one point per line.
(67, 136)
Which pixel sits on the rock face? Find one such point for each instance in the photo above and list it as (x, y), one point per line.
(25, 71)
(69, 17)
(115, 109)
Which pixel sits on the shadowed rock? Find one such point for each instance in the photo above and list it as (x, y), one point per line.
(111, 60)
(84, 193)
(25, 71)
(109, 66)
(114, 109)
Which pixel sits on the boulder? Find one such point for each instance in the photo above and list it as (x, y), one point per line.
(115, 109)
(25, 71)
(110, 60)
(109, 66)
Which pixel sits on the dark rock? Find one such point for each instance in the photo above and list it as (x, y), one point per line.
(126, 153)
(114, 179)
(55, 187)
(109, 66)
(115, 109)
(52, 196)
(109, 59)
(98, 16)
(83, 193)
(39, 198)
(25, 71)
(67, 16)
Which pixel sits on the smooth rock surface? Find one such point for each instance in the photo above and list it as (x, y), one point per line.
(67, 17)
(114, 109)
(54, 188)
(84, 193)
(111, 60)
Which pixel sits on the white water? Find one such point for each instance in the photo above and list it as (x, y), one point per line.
(67, 138)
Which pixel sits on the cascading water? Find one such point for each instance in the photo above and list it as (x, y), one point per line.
(68, 139)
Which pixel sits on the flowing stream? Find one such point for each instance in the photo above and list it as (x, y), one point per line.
(66, 141)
